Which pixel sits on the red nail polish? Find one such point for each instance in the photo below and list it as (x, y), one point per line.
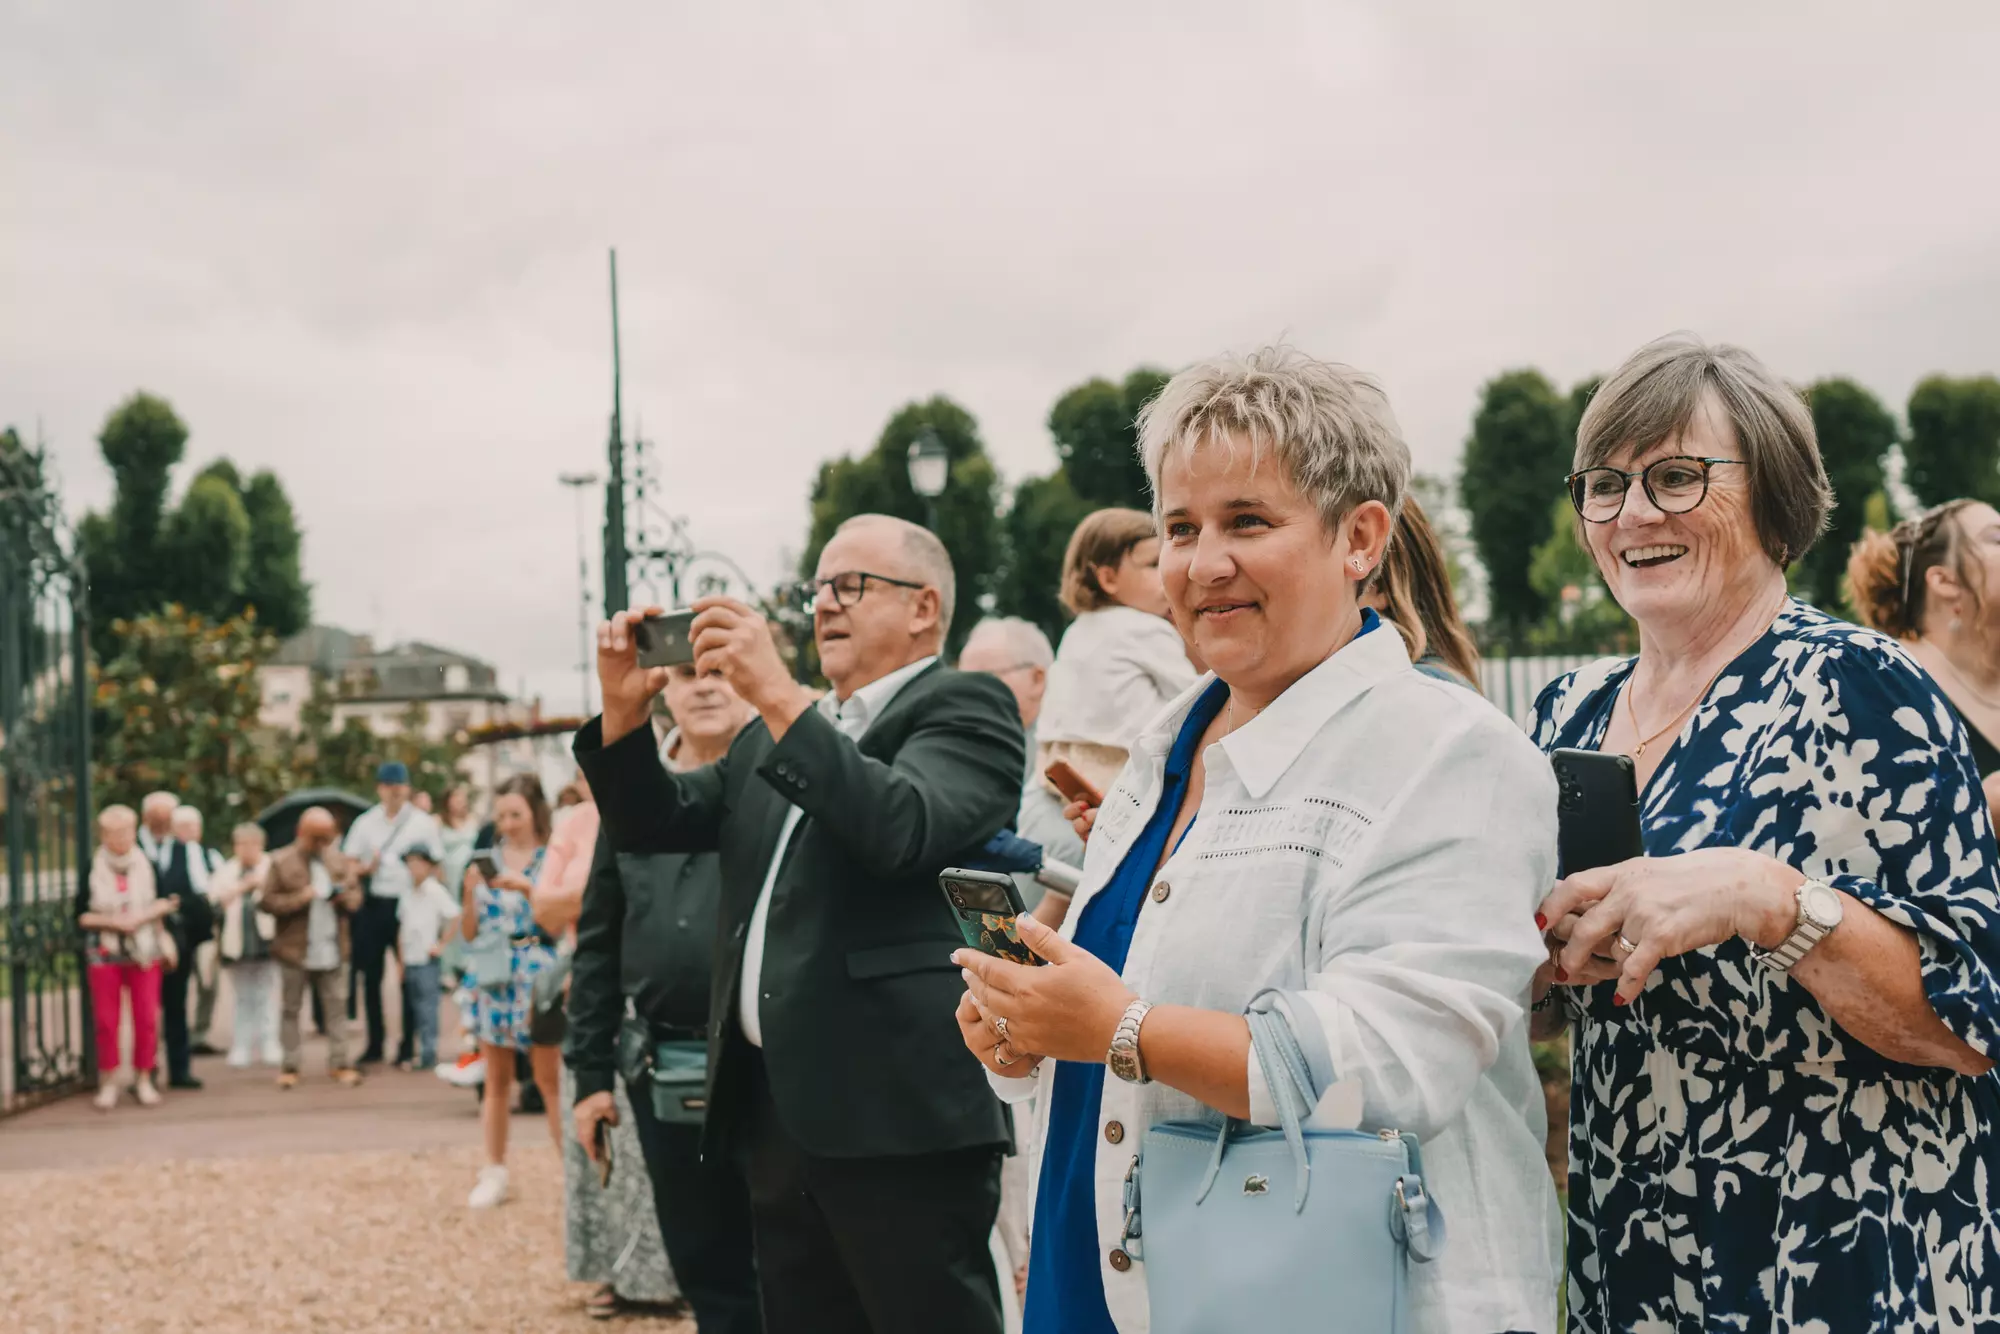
(1618, 1000)
(1541, 922)
(1562, 973)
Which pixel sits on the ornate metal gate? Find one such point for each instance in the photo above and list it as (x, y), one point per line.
(45, 1047)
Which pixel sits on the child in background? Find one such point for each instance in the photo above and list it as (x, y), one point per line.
(422, 916)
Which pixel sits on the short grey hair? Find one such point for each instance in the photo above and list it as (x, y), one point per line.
(155, 800)
(1329, 426)
(928, 561)
(1022, 641)
(249, 829)
(189, 813)
(1656, 394)
(116, 814)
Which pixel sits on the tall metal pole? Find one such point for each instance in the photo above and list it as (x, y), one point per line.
(617, 595)
(577, 481)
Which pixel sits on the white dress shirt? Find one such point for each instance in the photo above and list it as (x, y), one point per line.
(1115, 669)
(374, 834)
(1373, 845)
(853, 717)
(322, 922)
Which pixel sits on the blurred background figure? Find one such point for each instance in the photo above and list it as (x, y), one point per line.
(126, 952)
(376, 842)
(506, 954)
(244, 942)
(188, 923)
(422, 916)
(1927, 583)
(206, 975)
(1411, 590)
(312, 894)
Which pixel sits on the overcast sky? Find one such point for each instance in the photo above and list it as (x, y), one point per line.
(365, 244)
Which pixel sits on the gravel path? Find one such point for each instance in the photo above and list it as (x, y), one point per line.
(316, 1242)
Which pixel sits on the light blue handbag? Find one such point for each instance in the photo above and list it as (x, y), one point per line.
(1280, 1231)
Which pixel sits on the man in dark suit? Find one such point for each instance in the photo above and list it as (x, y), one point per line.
(871, 1145)
(190, 925)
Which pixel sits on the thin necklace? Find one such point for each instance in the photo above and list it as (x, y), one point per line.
(1631, 689)
(1959, 677)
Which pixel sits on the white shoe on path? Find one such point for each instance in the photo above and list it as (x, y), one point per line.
(491, 1190)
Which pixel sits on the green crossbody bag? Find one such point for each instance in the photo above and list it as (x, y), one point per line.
(674, 1074)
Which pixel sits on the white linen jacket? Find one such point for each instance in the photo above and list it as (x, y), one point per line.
(1374, 845)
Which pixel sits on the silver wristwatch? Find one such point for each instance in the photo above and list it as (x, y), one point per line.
(1819, 914)
(1123, 1058)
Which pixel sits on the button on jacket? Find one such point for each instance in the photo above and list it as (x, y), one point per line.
(1373, 845)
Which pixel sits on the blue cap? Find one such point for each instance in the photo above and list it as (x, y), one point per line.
(426, 851)
(395, 771)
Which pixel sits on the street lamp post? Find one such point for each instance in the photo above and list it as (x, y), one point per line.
(930, 470)
(578, 482)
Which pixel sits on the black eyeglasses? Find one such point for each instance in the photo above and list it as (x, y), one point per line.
(1675, 485)
(849, 586)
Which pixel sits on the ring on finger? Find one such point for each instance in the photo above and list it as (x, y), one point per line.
(998, 1059)
(1626, 945)
(1000, 1027)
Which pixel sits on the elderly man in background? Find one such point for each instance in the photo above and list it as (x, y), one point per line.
(311, 893)
(870, 1144)
(206, 975)
(189, 924)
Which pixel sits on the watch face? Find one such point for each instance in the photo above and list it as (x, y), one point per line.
(1821, 906)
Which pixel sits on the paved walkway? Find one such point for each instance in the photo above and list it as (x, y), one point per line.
(243, 1207)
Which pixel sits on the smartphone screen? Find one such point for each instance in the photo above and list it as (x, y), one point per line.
(988, 908)
(602, 1137)
(487, 864)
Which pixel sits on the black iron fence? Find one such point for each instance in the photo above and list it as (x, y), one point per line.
(45, 1047)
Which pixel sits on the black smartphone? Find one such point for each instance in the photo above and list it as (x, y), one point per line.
(665, 641)
(1597, 810)
(988, 907)
(601, 1138)
(487, 864)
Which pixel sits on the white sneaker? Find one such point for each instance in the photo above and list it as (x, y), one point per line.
(107, 1094)
(239, 1059)
(491, 1190)
(274, 1056)
(463, 1073)
(143, 1088)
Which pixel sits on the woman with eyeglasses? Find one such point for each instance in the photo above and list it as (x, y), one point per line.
(1927, 583)
(1784, 1015)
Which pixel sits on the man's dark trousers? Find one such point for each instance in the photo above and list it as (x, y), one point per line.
(374, 933)
(174, 1018)
(704, 1215)
(834, 1235)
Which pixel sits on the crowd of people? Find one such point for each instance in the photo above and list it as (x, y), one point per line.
(1256, 805)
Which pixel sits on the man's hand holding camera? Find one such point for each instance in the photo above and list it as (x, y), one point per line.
(730, 640)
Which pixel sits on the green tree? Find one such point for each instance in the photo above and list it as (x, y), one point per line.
(1954, 444)
(1515, 459)
(346, 756)
(141, 441)
(1855, 433)
(274, 584)
(1046, 510)
(205, 548)
(878, 482)
(177, 710)
(1582, 615)
(1095, 427)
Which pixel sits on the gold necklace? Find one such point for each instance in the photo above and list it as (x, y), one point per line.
(1959, 677)
(1632, 688)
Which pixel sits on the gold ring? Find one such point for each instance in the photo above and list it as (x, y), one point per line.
(1626, 945)
(998, 1059)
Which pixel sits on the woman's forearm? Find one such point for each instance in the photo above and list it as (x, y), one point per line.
(1203, 1053)
(1868, 976)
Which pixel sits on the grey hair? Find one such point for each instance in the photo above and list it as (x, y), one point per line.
(928, 561)
(1329, 426)
(249, 829)
(1021, 640)
(111, 815)
(1655, 395)
(155, 800)
(188, 813)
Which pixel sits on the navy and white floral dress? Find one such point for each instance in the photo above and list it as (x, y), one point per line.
(1737, 1161)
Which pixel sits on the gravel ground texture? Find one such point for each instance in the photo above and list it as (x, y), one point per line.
(310, 1242)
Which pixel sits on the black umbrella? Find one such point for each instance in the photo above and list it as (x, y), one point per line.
(281, 818)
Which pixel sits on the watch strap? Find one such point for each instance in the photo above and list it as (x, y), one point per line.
(1123, 1058)
(1797, 945)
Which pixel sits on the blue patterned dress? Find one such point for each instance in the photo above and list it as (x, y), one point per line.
(503, 1008)
(1737, 1161)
